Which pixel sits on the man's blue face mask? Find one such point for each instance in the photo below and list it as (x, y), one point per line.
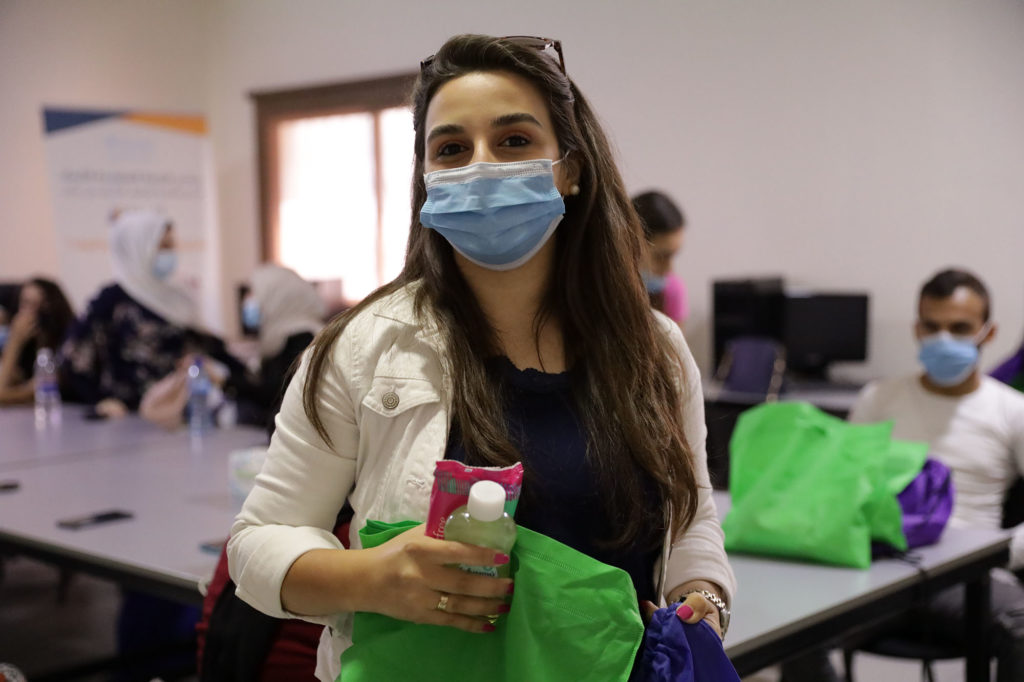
(949, 360)
(498, 215)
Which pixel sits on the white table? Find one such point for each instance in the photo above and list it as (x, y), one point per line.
(179, 498)
(23, 445)
(177, 492)
(836, 398)
(784, 607)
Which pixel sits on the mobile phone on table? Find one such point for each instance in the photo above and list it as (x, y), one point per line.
(80, 522)
(212, 546)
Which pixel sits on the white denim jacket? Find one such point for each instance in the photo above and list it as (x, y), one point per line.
(385, 399)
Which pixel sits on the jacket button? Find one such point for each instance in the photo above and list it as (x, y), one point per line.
(390, 400)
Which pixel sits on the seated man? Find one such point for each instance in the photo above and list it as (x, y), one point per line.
(975, 426)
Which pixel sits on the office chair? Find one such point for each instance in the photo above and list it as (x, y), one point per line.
(752, 365)
(928, 651)
(897, 646)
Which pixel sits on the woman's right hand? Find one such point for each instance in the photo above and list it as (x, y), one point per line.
(415, 572)
(23, 327)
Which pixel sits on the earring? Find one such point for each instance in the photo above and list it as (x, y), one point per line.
(574, 190)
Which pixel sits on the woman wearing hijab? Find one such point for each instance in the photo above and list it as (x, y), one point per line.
(287, 312)
(134, 330)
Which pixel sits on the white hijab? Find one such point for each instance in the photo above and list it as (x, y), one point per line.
(134, 241)
(288, 305)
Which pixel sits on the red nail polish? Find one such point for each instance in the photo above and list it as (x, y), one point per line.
(504, 608)
(684, 612)
(501, 559)
(488, 627)
(511, 588)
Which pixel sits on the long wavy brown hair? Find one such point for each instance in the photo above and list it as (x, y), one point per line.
(55, 314)
(626, 378)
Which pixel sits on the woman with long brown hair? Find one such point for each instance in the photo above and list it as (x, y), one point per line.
(519, 330)
(41, 320)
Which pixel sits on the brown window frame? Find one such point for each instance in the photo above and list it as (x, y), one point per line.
(274, 107)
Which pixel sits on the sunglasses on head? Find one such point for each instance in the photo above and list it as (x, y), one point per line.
(540, 44)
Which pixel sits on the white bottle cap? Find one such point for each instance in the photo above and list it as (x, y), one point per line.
(486, 501)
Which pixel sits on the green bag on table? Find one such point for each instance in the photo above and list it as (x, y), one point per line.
(572, 618)
(808, 485)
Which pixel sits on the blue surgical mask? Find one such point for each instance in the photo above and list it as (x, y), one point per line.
(5, 331)
(497, 215)
(949, 360)
(655, 283)
(164, 263)
(251, 313)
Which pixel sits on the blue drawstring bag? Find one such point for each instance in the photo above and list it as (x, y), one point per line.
(675, 651)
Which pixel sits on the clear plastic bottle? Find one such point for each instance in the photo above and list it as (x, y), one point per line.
(48, 405)
(482, 521)
(227, 413)
(198, 399)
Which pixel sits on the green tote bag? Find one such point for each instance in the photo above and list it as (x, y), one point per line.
(572, 618)
(808, 485)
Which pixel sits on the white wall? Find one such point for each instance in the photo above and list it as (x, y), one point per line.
(845, 145)
(99, 53)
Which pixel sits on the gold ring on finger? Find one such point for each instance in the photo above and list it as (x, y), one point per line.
(442, 603)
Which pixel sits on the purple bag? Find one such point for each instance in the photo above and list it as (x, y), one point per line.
(927, 502)
(674, 651)
(1011, 369)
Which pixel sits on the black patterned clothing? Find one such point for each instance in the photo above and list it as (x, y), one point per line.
(117, 349)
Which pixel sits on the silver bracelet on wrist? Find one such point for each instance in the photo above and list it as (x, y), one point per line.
(724, 614)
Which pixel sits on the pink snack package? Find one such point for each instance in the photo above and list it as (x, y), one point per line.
(452, 481)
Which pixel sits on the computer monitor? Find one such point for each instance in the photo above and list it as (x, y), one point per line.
(746, 307)
(822, 328)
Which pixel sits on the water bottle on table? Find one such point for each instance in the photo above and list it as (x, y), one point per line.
(47, 391)
(198, 398)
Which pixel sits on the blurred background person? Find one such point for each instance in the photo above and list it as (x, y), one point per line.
(663, 223)
(134, 330)
(975, 426)
(287, 313)
(41, 320)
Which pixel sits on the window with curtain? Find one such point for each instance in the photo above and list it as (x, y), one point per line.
(335, 170)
